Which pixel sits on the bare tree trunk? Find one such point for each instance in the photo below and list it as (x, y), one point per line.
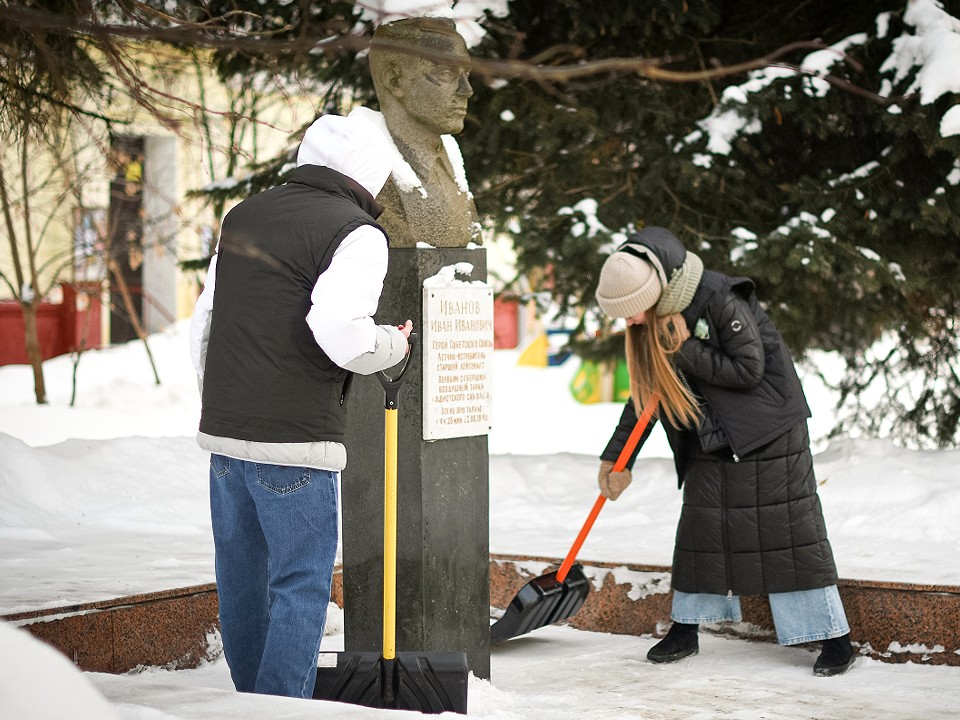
(131, 311)
(78, 353)
(75, 360)
(31, 337)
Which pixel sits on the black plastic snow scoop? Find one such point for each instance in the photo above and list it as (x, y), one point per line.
(430, 682)
(558, 595)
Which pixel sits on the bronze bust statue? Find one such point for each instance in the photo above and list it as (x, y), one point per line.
(420, 69)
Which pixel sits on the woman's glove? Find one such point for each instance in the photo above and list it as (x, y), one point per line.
(612, 484)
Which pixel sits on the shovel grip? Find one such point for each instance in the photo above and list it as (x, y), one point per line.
(618, 466)
(391, 385)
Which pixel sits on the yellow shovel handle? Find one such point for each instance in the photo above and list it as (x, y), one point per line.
(391, 389)
(390, 535)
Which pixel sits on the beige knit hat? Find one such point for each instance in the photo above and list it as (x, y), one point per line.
(629, 285)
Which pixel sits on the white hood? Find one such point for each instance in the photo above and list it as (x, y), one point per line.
(351, 145)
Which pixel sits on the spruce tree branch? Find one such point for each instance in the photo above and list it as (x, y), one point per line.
(707, 83)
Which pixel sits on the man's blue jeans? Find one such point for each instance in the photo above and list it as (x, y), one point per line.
(275, 538)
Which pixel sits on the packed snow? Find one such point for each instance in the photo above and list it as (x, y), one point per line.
(109, 498)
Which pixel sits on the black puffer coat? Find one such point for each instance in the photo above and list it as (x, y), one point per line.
(751, 521)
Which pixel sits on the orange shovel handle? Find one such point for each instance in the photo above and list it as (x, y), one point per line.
(618, 466)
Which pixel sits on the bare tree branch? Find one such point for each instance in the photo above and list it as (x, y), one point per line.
(220, 35)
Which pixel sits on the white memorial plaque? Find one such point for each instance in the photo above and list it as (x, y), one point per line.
(457, 360)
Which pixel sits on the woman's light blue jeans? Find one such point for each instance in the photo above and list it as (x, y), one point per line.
(799, 617)
(275, 539)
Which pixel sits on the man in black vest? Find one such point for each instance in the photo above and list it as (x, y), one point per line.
(284, 319)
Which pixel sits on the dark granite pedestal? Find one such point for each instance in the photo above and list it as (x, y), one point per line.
(443, 586)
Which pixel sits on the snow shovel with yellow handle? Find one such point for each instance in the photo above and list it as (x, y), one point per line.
(429, 682)
(559, 594)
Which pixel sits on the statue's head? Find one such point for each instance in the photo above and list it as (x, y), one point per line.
(420, 68)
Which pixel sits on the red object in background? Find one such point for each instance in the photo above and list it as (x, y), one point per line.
(61, 326)
(506, 323)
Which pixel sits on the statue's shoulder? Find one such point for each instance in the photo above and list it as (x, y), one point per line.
(394, 217)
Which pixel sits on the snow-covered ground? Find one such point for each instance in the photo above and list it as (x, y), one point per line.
(109, 498)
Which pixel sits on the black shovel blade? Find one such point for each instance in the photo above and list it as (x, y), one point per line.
(542, 601)
(428, 682)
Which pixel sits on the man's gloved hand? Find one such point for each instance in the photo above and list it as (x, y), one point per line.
(612, 484)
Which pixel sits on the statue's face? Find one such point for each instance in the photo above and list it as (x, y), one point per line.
(437, 93)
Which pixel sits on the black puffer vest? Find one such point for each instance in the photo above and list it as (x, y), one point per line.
(265, 377)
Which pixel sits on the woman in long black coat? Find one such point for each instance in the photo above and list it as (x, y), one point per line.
(735, 416)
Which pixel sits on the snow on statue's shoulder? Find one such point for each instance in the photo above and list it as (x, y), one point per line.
(402, 173)
(456, 161)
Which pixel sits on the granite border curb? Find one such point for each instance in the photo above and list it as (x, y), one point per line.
(892, 622)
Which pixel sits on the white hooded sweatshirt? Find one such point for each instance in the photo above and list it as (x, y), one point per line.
(346, 294)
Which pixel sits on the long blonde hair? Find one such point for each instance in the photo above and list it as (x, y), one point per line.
(648, 348)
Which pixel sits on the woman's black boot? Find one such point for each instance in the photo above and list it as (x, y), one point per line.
(836, 657)
(680, 642)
